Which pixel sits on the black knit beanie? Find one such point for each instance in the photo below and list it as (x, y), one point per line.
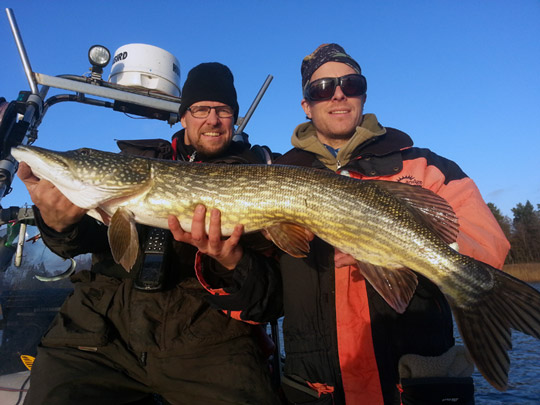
(209, 82)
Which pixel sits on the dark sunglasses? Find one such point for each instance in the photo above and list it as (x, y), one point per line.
(353, 85)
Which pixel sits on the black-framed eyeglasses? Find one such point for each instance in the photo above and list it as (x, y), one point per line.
(203, 111)
(352, 85)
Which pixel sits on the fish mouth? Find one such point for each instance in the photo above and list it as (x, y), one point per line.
(86, 187)
(40, 160)
(50, 166)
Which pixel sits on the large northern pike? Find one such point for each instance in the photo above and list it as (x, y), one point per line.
(389, 227)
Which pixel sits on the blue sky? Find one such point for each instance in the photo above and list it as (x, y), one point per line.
(461, 77)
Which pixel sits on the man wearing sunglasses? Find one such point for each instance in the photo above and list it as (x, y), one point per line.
(361, 333)
(343, 342)
(122, 338)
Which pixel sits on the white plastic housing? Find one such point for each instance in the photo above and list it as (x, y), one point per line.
(146, 66)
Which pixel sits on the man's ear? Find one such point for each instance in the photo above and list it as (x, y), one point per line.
(186, 137)
(306, 107)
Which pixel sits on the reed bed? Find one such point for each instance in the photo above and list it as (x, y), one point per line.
(528, 272)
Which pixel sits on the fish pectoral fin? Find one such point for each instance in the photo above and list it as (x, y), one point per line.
(123, 238)
(396, 285)
(291, 238)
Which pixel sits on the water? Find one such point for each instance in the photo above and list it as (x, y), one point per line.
(524, 377)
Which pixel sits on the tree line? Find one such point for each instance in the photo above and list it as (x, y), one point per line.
(523, 232)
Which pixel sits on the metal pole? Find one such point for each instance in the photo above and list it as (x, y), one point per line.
(22, 51)
(254, 105)
(20, 245)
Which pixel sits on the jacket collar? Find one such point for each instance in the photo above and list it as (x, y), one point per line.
(368, 152)
(305, 137)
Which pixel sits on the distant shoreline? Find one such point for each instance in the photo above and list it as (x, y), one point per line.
(528, 272)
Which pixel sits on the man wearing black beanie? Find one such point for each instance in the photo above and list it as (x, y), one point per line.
(209, 81)
(209, 108)
(123, 338)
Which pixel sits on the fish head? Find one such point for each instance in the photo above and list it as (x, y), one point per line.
(87, 177)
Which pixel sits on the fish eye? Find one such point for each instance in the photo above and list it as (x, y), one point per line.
(83, 151)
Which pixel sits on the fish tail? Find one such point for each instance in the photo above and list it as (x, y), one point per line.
(486, 326)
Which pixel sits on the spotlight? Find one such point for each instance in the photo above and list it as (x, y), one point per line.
(99, 56)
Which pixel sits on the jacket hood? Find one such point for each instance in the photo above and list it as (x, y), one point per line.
(305, 137)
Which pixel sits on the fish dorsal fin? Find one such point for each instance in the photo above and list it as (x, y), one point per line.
(430, 208)
(396, 285)
(123, 238)
(289, 237)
